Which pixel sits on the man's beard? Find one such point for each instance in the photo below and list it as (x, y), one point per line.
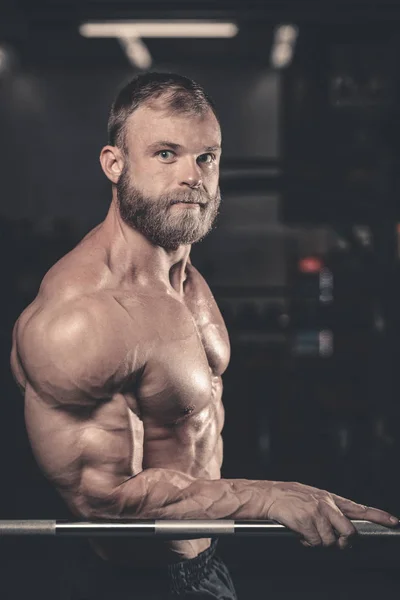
(162, 226)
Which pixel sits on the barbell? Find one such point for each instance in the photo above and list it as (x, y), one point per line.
(167, 529)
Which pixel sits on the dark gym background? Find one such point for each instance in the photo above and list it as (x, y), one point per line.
(304, 262)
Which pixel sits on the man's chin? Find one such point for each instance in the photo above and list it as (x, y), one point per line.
(171, 236)
(175, 241)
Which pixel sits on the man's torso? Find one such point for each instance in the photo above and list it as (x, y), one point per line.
(170, 414)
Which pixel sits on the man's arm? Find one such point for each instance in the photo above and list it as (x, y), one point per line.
(319, 517)
(70, 361)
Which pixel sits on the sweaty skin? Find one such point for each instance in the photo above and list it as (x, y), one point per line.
(122, 378)
(120, 359)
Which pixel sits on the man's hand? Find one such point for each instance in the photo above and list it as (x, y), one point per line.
(319, 517)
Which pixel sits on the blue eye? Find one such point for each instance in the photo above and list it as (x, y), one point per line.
(206, 158)
(166, 154)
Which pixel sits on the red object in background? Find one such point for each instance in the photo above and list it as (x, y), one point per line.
(310, 264)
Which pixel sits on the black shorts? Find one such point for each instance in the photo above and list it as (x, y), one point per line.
(88, 577)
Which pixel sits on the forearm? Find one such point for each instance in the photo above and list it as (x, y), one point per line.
(168, 494)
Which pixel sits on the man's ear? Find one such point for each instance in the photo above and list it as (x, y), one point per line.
(112, 162)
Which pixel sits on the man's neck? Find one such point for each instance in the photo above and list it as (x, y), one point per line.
(132, 255)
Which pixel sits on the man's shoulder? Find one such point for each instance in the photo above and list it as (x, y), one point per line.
(82, 339)
(70, 314)
(77, 274)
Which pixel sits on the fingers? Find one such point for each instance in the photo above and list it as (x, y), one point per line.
(359, 511)
(322, 518)
(325, 530)
(344, 528)
(306, 544)
(309, 535)
(329, 527)
(333, 525)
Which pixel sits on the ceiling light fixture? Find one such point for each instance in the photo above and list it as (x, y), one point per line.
(159, 29)
(285, 37)
(136, 51)
(130, 34)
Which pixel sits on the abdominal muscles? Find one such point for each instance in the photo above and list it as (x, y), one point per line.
(192, 444)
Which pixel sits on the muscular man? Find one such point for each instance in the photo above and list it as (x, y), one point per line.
(121, 355)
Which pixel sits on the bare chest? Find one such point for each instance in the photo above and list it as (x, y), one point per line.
(187, 352)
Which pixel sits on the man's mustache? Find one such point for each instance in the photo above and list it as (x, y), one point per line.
(202, 203)
(201, 199)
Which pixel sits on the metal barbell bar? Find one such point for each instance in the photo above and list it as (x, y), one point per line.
(171, 529)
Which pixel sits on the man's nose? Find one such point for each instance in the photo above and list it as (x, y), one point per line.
(190, 174)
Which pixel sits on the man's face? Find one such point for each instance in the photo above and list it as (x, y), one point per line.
(168, 189)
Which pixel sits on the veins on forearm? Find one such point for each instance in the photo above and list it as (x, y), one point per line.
(169, 494)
